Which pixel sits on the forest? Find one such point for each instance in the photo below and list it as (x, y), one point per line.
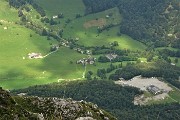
(107, 95)
(153, 22)
(20, 3)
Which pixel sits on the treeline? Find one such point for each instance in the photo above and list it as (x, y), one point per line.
(155, 23)
(162, 69)
(39, 29)
(104, 59)
(106, 94)
(171, 53)
(93, 6)
(21, 3)
(96, 50)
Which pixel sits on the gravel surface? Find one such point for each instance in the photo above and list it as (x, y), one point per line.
(142, 83)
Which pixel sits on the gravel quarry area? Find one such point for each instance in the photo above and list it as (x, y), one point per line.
(143, 83)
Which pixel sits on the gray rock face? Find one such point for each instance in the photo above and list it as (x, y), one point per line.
(38, 108)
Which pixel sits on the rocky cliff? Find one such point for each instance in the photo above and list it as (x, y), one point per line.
(38, 108)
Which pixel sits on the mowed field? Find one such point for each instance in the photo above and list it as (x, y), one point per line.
(18, 71)
(15, 45)
(85, 27)
(5, 12)
(68, 7)
(88, 35)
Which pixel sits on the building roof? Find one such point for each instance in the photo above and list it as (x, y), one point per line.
(154, 89)
(111, 56)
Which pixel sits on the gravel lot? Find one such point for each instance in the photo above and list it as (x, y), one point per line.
(142, 83)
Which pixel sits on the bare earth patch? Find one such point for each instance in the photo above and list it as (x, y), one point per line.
(95, 23)
(143, 83)
(142, 100)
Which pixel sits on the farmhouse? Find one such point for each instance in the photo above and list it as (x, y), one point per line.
(35, 55)
(80, 50)
(91, 60)
(84, 61)
(88, 52)
(153, 89)
(65, 43)
(54, 48)
(5, 28)
(55, 16)
(111, 56)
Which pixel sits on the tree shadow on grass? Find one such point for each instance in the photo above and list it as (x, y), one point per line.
(61, 64)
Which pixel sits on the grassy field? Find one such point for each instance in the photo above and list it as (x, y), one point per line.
(6, 13)
(16, 43)
(175, 95)
(173, 61)
(11, 84)
(18, 71)
(90, 37)
(55, 7)
(107, 37)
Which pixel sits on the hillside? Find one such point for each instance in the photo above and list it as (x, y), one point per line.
(80, 45)
(37, 108)
(116, 99)
(26, 30)
(120, 55)
(150, 21)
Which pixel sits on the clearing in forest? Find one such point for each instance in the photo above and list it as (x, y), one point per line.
(95, 23)
(143, 83)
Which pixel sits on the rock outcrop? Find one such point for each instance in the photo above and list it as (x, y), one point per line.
(38, 108)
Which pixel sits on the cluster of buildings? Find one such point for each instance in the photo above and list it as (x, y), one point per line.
(111, 56)
(75, 48)
(88, 52)
(85, 61)
(55, 16)
(65, 43)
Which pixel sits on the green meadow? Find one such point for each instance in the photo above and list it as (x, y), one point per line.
(88, 36)
(6, 13)
(173, 61)
(55, 7)
(18, 71)
(175, 95)
(15, 45)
